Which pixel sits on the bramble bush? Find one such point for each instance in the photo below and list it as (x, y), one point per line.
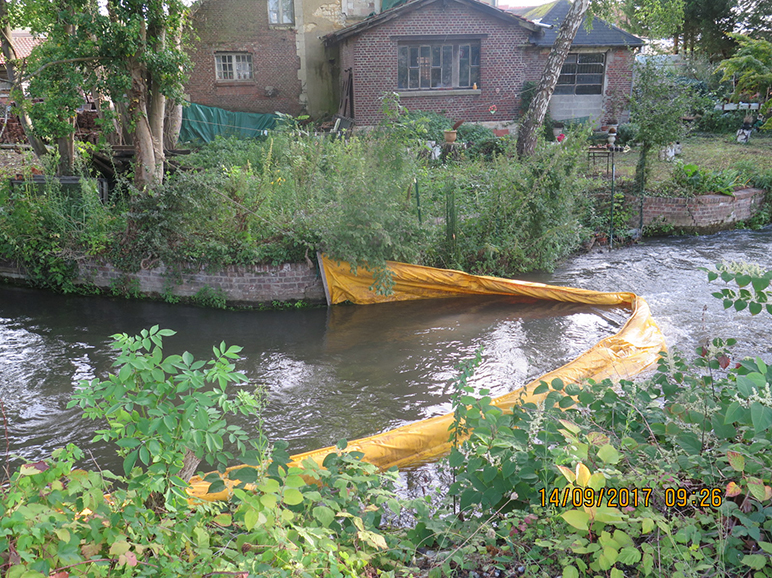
(682, 459)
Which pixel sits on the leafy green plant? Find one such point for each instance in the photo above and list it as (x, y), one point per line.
(167, 413)
(753, 287)
(210, 297)
(699, 181)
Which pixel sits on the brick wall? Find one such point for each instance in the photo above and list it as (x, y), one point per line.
(242, 26)
(703, 214)
(251, 285)
(619, 78)
(373, 53)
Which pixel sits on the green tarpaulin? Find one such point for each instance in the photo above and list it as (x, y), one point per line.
(203, 123)
(387, 4)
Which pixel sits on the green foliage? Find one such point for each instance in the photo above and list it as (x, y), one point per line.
(166, 412)
(753, 287)
(719, 121)
(750, 68)
(513, 215)
(627, 133)
(321, 520)
(210, 297)
(315, 521)
(657, 106)
(666, 476)
(46, 227)
(698, 181)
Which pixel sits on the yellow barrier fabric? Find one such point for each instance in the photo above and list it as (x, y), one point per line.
(632, 350)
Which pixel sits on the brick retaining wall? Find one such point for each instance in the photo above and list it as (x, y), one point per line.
(704, 214)
(245, 285)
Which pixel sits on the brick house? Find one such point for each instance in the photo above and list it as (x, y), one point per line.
(598, 72)
(469, 61)
(245, 58)
(266, 55)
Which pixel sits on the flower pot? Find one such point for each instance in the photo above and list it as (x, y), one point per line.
(450, 136)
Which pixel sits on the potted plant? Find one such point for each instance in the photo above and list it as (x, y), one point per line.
(450, 135)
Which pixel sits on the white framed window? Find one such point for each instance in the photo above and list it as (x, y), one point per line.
(233, 66)
(582, 74)
(424, 66)
(281, 12)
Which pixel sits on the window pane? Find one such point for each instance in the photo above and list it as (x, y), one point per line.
(564, 89)
(463, 52)
(436, 77)
(568, 69)
(474, 76)
(570, 58)
(447, 65)
(590, 68)
(588, 89)
(588, 58)
(287, 12)
(567, 79)
(273, 11)
(436, 55)
(402, 67)
(475, 58)
(413, 82)
(414, 56)
(224, 64)
(589, 79)
(426, 66)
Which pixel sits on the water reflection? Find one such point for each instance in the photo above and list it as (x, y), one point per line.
(343, 372)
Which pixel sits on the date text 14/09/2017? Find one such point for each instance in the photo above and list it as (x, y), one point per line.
(630, 497)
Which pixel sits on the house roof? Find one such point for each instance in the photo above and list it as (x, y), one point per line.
(23, 42)
(601, 34)
(410, 5)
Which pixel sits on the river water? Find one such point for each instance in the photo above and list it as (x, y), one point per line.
(351, 371)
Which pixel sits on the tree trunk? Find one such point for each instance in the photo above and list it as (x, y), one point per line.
(173, 125)
(66, 147)
(528, 131)
(9, 52)
(142, 136)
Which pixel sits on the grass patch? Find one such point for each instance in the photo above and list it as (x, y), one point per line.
(709, 152)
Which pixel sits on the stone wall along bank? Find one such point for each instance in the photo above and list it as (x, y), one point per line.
(242, 286)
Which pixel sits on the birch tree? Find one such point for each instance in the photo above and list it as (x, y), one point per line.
(661, 16)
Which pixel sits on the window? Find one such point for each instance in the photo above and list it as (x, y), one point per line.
(427, 66)
(281, 12)
(233, 66)
(582, 74)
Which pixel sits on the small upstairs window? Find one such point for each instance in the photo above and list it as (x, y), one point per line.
(233, 66)
(281, 12)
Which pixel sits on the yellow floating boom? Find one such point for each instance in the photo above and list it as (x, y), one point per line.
(633, 349)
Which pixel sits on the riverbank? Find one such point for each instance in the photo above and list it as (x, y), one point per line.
(224, 227)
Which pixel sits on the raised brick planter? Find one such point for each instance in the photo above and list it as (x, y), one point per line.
(704, 214)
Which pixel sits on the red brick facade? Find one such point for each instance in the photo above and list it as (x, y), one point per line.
(619, 78)
(703, 214)
(241, 26)
(507, 60)
(373, 56)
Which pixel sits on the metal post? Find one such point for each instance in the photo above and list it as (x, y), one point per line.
(418, 201)
(613, 201)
